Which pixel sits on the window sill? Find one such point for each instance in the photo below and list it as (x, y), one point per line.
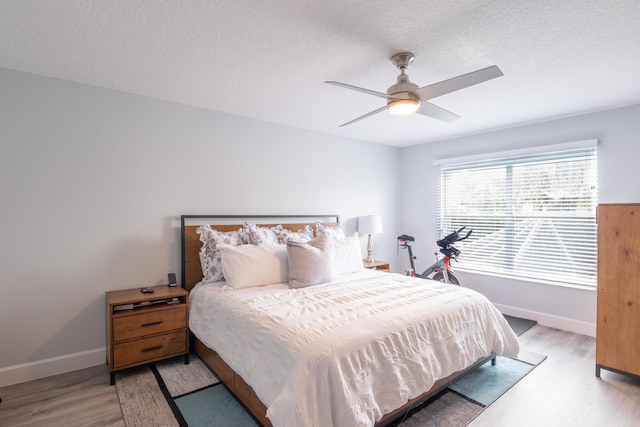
(528, 279)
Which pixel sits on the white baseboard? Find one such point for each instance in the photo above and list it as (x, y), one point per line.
(53, 366)
(564, 323)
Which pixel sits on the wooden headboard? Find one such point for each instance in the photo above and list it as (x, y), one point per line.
(191, 270)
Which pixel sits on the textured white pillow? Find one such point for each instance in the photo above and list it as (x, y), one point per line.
(256, 235)
(335, 232)
(247, 266)
(284, 235)
(309, 263)
(346, 255)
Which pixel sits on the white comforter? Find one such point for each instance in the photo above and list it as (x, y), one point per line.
(347, 352)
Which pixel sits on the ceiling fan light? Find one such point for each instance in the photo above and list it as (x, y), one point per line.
(402, 107)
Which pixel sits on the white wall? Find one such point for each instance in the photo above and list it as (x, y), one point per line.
(618, 132)
(93, 182)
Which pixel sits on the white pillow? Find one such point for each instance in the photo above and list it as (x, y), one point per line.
(247, 266)
(346, 255)
(309, 263)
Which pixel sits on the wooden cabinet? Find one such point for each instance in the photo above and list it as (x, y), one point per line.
(378, 265)
(618, 324)
(146, 327)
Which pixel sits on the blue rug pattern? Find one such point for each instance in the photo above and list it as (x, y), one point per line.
(487, 383)
(213, 406)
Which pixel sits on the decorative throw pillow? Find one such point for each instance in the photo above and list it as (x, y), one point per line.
(256, 235)
(335, 232)
(309, 263)
(247, 266)
(346, 255)
(210, 259)
(302, 236)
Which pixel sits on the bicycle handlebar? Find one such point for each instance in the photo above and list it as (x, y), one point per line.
(453, 237)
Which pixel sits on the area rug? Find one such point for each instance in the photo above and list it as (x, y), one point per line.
(467, 397)
(174, 394)
(171, 393)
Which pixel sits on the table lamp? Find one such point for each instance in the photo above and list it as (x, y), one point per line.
(371, 224)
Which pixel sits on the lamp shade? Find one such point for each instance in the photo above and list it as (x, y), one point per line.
(371, 224)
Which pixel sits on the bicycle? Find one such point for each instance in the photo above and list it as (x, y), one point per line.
(441, 269)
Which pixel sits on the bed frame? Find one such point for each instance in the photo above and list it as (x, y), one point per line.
(192, 274)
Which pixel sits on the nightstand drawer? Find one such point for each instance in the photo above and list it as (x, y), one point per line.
(147, 349)
(146, 327)
(152, 322)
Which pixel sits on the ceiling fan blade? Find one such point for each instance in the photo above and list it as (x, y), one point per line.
(430, 110)
(457, 83)
(379, 110)
(359, 89)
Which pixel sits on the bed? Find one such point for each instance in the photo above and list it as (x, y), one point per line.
(353, 350)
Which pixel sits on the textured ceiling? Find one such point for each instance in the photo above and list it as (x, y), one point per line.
(268, 60)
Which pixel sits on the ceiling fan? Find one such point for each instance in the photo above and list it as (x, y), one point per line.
(404, 97)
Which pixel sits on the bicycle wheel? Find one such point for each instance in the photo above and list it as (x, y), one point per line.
(453, 280)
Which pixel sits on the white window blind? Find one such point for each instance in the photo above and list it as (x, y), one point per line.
(533, 215)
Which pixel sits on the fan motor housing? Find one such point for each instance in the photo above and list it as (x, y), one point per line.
(401, 100)
(402, 90)
(404, 87)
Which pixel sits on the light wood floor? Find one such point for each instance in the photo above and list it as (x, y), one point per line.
(79, 398)
(562, 391)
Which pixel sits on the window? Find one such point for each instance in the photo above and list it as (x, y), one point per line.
(533, 214)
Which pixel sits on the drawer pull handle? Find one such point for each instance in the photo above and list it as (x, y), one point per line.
(158, 347)
(152, 323)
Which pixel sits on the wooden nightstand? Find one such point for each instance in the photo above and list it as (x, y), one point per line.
(146, 327)
(378, 265)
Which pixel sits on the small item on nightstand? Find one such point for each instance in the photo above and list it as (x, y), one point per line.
(146, 290)
(172, 280)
